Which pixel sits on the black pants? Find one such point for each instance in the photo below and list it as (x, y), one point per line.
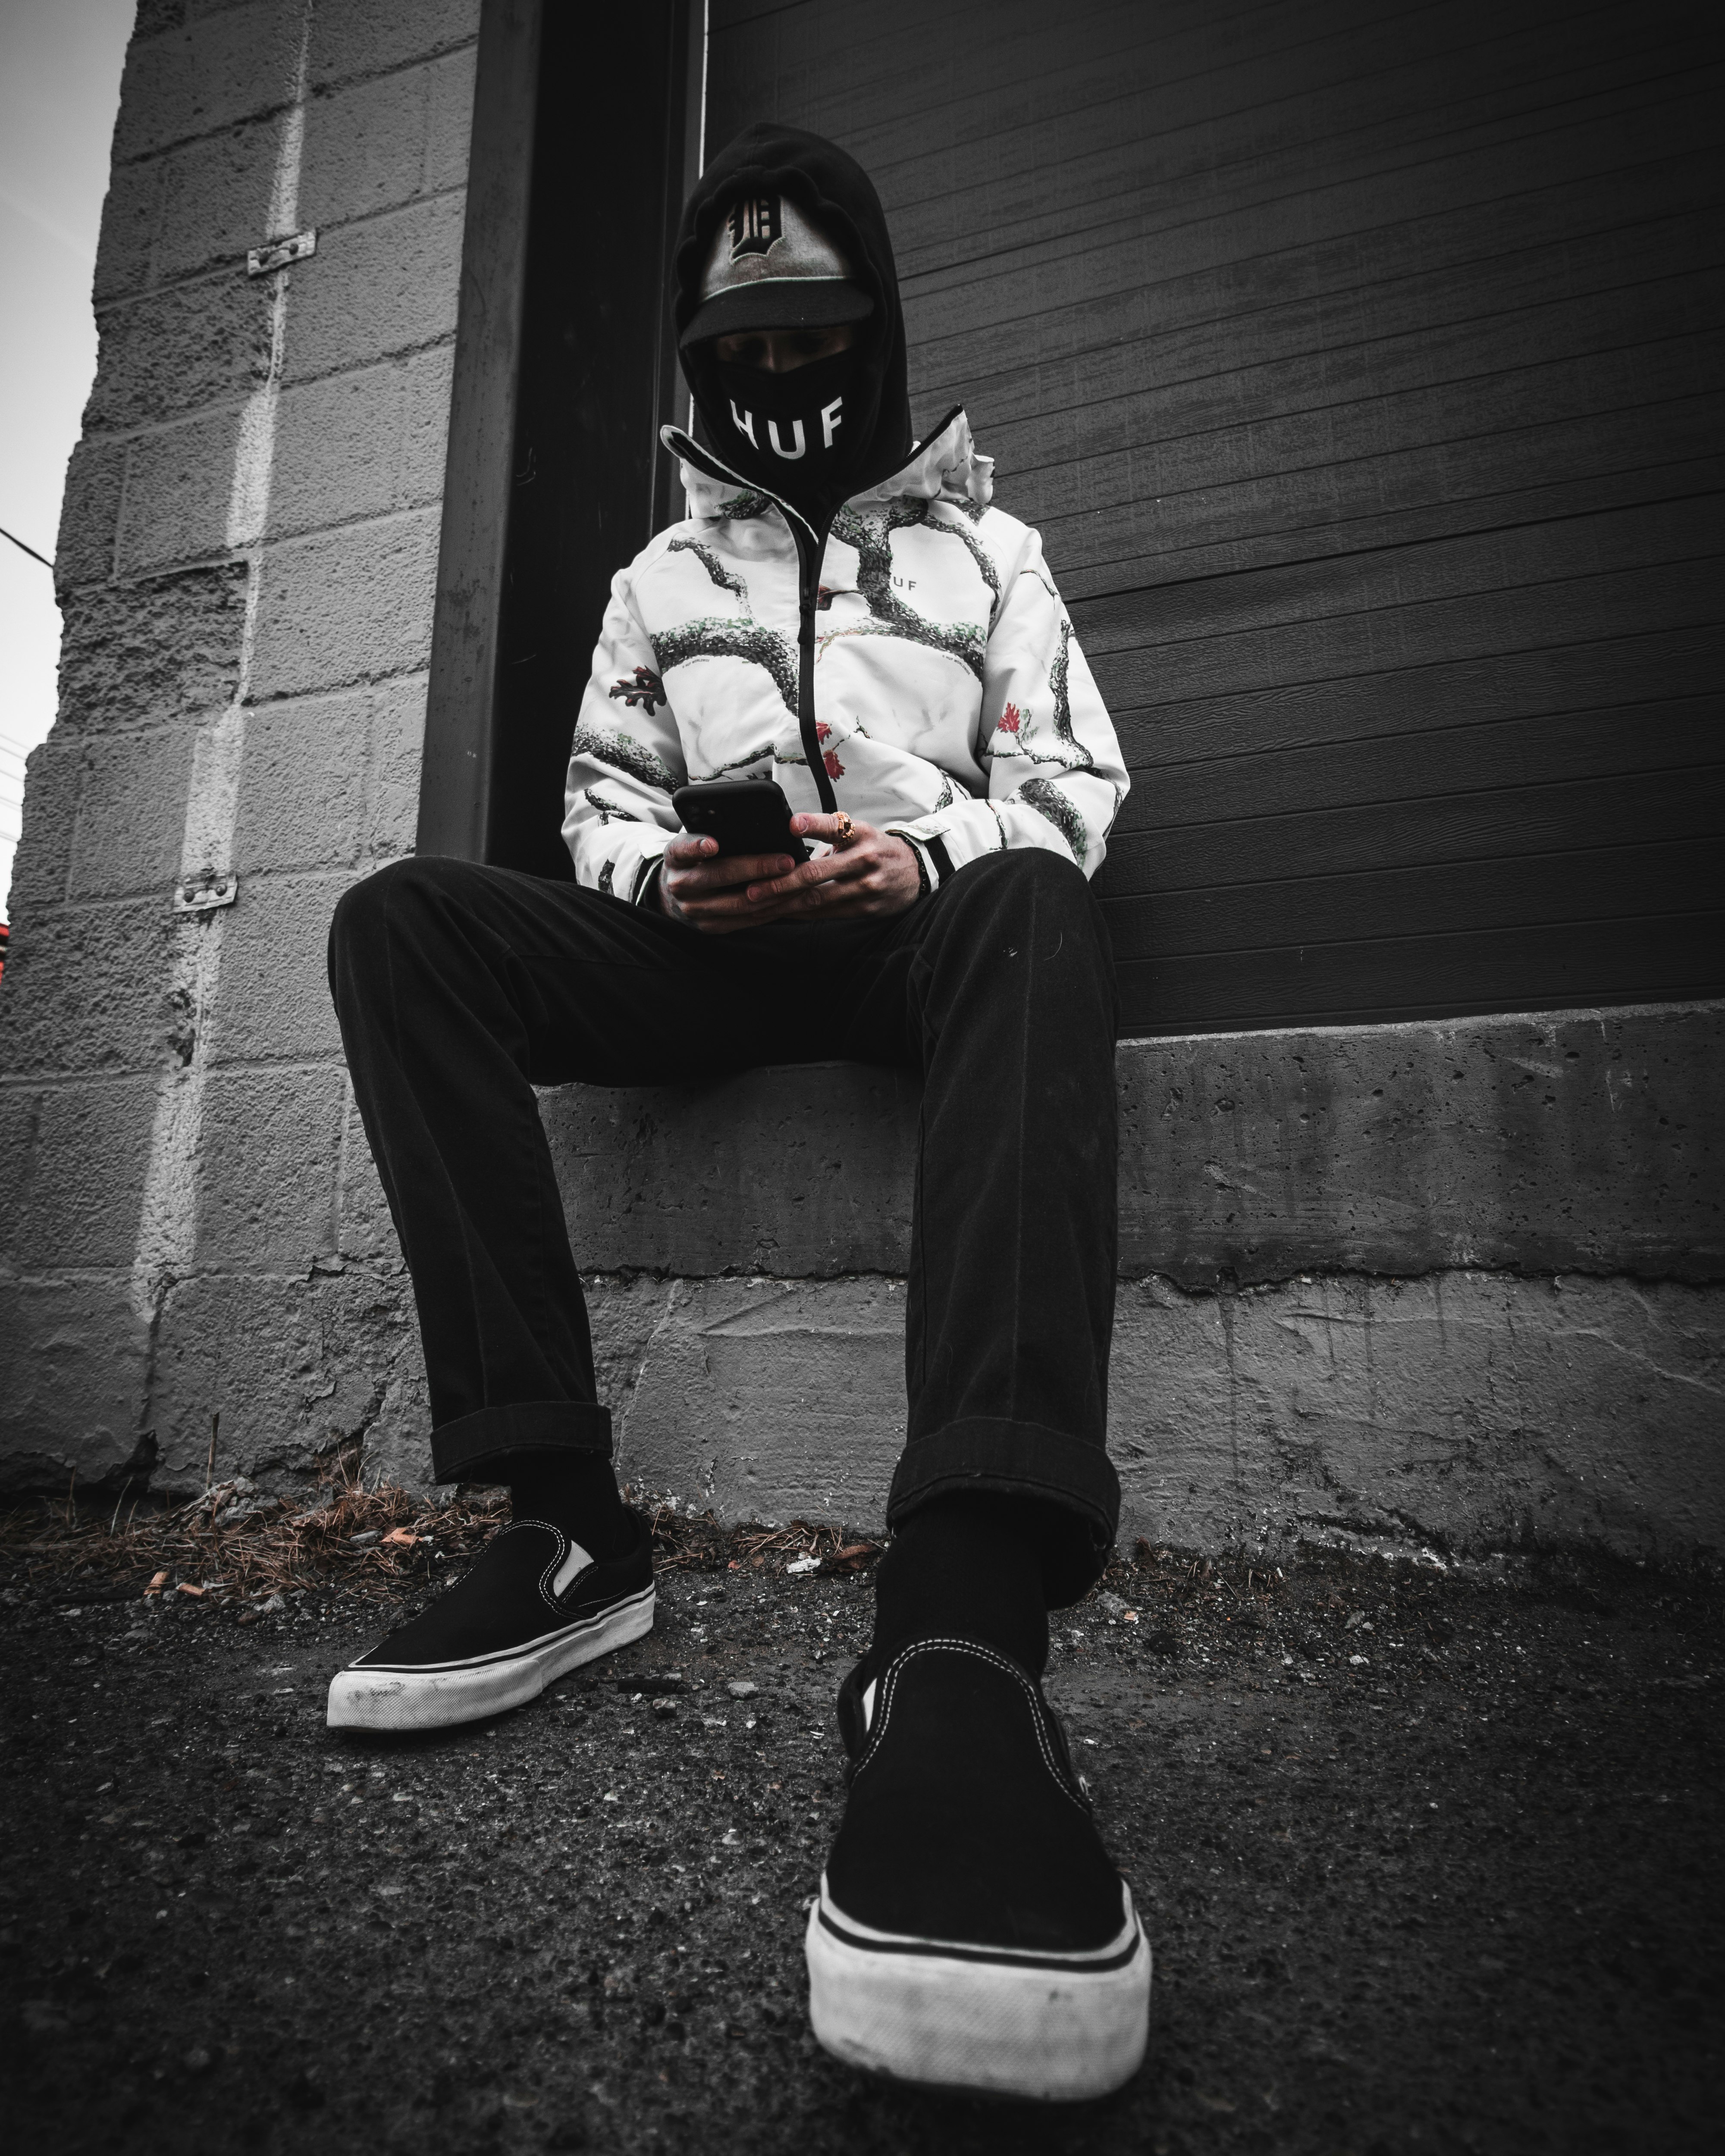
(461, 987)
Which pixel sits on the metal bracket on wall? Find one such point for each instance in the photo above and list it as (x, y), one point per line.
(260, 261)
(203, 894)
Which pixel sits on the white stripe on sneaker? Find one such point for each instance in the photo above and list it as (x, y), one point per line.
(1117, 1950)
(520, 1651)
(370, 1696)
(577, 1560)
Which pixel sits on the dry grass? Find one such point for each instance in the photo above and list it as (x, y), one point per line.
(699, 1543)
(236, 1547)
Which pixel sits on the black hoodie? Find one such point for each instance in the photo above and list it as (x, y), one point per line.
(837, 195)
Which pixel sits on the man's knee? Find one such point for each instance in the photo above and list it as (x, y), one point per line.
(1025, 881)
(370, 911)
(1034, 904)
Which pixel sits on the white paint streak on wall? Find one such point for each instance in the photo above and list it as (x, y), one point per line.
(706, 39)
(167, 1224)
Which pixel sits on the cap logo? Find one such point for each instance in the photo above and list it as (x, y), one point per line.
(755, 226)
(764, 239)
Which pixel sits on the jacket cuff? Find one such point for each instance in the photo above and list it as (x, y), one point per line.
(948, 838)
(933, 864)
(623, 860)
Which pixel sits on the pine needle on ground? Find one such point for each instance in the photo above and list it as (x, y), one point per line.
(235, 1547)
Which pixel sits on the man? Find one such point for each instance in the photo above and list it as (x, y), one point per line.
(843, 610)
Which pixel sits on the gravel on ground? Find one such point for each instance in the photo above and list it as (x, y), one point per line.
(1429, 1855)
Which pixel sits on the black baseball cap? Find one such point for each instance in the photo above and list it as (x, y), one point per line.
(771, 268)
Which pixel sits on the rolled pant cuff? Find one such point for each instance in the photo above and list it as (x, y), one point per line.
(1014, 1460)
(459, 1449)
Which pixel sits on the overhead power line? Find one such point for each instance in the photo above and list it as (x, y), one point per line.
(22, 549)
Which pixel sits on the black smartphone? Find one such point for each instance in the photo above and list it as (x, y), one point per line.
(744, 815)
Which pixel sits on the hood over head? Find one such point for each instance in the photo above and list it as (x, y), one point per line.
(785, 230)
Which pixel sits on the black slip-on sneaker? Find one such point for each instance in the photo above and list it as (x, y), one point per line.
(971, 1931)
(531, 1606)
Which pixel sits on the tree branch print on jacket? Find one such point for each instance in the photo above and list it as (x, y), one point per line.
(1046, 799)
(609, 811)
(872, 540)
(623, 753)
(722, 576)
(1021, 730)
(972, 545)
(714, 637)
(745, 507)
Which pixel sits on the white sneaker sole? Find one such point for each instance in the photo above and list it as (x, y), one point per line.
(1054, 2029)
(453, 1692)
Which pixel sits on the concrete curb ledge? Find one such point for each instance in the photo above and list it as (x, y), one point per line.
(1575, 1141)
(1459, 1284)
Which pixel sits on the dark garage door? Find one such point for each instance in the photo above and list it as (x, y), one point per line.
(1360, 365)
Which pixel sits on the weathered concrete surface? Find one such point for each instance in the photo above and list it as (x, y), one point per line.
(296, 1367)
(805, 1171)
(76, 1358)
(1575, 1141)
(293, 1367)
(765, 1399)
(1472, 1411)
(1447, 1282)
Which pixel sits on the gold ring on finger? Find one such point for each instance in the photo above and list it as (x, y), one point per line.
(846, 828)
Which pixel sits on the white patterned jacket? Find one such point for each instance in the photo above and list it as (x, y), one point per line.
(953, 704)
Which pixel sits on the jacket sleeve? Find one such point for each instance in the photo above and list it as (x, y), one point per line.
(1056, 774)
(624, 760)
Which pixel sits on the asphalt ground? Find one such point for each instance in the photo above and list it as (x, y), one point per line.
(1431, 1861)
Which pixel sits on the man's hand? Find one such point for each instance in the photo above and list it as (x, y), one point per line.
(699, 888)
(869, 873)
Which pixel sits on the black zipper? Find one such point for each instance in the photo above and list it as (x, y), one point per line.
(811, 545)
(811, 541)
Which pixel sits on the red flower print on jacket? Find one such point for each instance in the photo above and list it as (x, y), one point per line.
(835, 768)
(1010, 720)
(822, 731)
(646, 689)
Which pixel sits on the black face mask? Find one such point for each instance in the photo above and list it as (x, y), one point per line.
(788, 431)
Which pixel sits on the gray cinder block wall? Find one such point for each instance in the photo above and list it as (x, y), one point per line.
(245, 568)
(1455, 1284)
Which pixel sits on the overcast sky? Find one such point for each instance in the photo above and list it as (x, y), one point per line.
(59, 90)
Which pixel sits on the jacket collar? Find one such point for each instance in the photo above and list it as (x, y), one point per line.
(948, 466)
